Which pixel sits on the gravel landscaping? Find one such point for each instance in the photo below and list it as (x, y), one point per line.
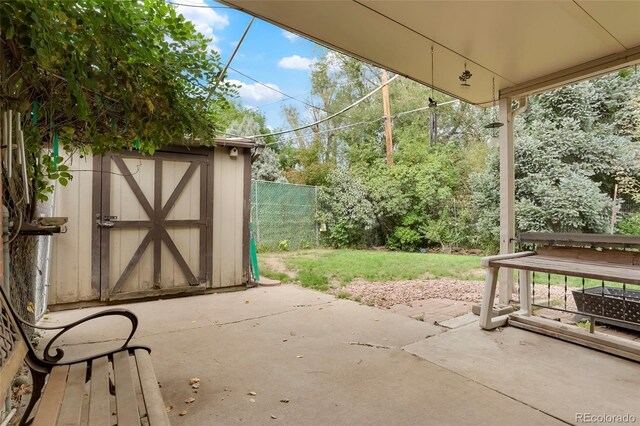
(387, 294)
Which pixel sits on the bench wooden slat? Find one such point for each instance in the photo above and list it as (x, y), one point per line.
(572, 267)
(126, 402)
(621, 257)
(99, 406)
(71, 408)
(49, 407)
(151, 392)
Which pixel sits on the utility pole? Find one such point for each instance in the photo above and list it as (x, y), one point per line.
(387, 117)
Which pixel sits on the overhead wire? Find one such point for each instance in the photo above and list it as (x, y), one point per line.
(204, 6)
(329, 117)
(346, 126)
(279, 91)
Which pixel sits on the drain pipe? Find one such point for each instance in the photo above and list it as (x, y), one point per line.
(6, 259)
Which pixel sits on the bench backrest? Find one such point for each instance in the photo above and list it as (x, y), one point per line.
(580, 240)
(615, 256)
(13, 347)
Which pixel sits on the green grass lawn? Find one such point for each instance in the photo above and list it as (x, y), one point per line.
(317, 268)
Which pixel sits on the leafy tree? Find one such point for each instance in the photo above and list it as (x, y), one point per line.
(425, 190)
(248, 123)
(106, 75)
(571, 144)
(345, 209)
(267, 167)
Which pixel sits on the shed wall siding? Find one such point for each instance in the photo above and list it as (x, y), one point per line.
(70, 278)
(227, 218)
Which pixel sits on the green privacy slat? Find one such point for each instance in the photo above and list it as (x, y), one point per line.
(56, 150)
(254, 256)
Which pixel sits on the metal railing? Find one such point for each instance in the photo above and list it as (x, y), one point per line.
(605, 302)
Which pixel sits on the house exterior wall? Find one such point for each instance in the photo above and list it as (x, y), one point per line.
(71, 259)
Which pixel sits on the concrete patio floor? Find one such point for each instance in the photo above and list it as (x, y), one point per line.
(338, 362)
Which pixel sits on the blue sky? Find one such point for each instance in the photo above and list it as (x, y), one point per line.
(268, 54)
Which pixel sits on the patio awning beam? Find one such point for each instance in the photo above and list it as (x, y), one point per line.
(575, 74)
(525, 46)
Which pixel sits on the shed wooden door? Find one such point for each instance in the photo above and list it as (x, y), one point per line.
(152, 233)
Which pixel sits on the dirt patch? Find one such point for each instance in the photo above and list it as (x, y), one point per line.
(274, 262)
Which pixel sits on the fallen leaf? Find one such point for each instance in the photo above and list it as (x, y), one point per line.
(189, 400)
(252, 393)
(285, 400)
(183, 413)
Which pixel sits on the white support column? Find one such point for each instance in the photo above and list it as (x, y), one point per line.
(507, 197)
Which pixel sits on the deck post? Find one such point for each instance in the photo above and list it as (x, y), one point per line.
(507, 197)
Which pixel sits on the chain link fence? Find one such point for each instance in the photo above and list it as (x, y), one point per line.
(284, 215)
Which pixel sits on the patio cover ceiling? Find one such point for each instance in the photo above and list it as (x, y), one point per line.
(529, 46)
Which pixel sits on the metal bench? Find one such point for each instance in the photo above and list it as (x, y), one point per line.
(115, 387)
(588, 256)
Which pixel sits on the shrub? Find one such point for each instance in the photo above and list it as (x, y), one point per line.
(630, 225)
(345, 209)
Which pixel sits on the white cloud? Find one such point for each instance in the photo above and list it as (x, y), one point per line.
(205, 20)
(290, 36)
(253, 94)
(296, 62)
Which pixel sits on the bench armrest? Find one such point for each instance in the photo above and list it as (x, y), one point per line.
(485, 260)
(60, 352)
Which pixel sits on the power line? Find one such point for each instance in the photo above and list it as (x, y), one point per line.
(270, 103)
(342, 111)
(279, 91)
(346, 126)
(204, 6)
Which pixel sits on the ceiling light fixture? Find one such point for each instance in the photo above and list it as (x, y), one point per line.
(495, 124)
